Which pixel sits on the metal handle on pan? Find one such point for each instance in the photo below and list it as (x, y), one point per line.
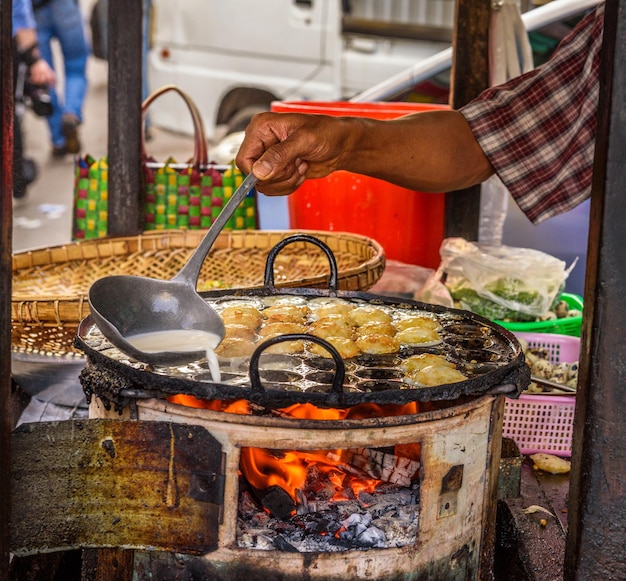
(271, 257)
(335, 395)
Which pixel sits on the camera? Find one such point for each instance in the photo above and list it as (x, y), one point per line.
(37, 97)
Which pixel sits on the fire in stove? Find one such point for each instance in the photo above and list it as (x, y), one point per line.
(325, 500)
(328, 500)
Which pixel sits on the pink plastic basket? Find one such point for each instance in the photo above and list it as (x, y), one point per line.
(543, 423)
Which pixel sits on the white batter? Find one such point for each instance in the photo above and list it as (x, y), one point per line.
(178, 340)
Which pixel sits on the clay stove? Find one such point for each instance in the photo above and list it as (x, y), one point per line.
(447, 513)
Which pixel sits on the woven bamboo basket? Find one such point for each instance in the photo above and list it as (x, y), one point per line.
(50, 285)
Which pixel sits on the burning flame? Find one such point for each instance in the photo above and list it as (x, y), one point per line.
(304, 411)
(239, 406)
(358, 412)
(289, 470)
(264, 469)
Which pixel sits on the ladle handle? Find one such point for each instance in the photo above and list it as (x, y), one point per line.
(190, 272)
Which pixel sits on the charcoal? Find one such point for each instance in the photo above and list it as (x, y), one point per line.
(326, 515)
(283, 545)
(372, 537)
(247, 505)
(277, 500)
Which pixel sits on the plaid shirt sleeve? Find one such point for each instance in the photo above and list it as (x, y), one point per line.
(538, 130)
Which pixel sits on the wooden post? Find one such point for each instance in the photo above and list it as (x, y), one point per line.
(125, 79)
(6, 233)
(470, 76)
(107, 565)
(597, 500)
(125, 199)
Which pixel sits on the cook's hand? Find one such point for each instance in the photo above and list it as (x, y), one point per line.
(284, 149)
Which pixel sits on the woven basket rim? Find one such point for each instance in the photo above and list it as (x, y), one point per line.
(151, 234)
(63, 308)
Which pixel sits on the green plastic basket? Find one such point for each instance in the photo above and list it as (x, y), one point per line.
(566, 326)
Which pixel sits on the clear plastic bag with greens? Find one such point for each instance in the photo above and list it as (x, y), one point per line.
(497, 282)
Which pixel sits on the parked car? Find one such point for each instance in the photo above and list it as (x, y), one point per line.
(234, 58)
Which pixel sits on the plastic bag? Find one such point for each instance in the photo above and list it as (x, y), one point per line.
(497, 282)
(401, 280)
(494, 198)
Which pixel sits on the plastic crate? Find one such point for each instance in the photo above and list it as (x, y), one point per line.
(561, 348)
(566, 326)
(544, 423)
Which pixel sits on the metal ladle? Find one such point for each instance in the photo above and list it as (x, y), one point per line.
(124, 305)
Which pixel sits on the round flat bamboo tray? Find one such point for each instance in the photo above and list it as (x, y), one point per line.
(50, 285)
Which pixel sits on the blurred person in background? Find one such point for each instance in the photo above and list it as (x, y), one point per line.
(63, 20)
(27, 45)
(33, 79)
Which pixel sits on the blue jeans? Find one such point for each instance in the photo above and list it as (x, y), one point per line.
(62, 19)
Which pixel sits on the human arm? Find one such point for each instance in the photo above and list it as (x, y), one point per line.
(26, 43)
(537, 132)
(39, 71)
(432, 151)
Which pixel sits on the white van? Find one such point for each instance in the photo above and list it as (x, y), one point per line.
(234, 57)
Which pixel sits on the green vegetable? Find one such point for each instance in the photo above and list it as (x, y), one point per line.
(471, 301)
(514, 290)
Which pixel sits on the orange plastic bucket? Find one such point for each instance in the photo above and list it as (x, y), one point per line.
(408, 224)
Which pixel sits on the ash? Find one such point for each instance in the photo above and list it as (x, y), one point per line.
(386, 518)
